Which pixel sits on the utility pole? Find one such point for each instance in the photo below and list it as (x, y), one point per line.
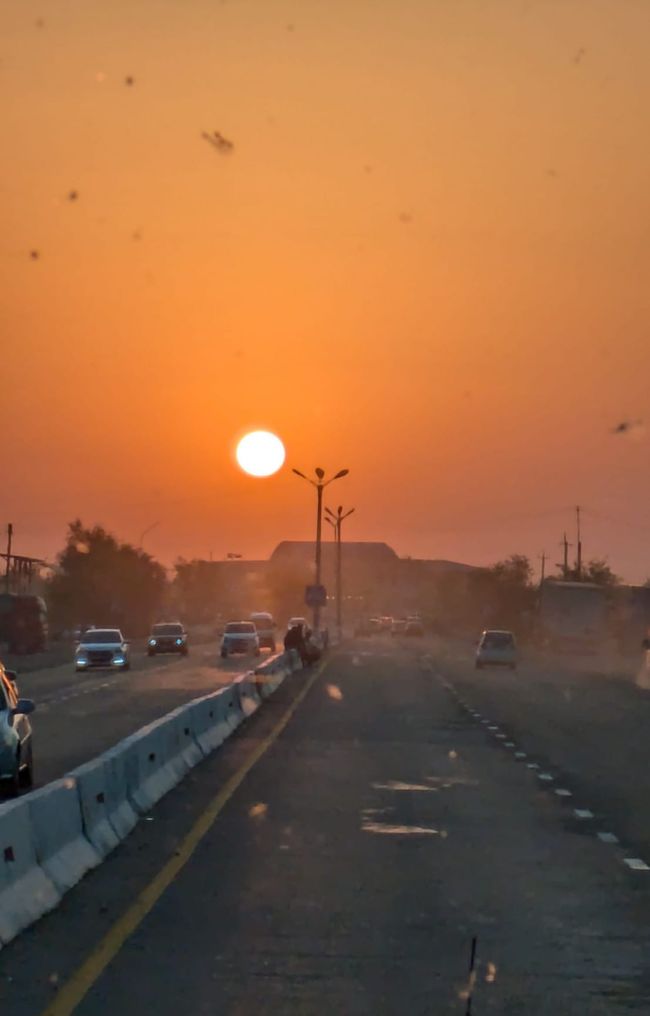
(565, 558)
(578, 546)
(319, 483)
(336, 520)
(542, 558)
(10, 533)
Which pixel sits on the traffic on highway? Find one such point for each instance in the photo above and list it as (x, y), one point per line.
(324, 568)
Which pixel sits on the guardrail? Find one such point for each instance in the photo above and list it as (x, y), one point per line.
(50, 838)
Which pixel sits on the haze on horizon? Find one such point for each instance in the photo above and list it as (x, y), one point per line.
(424, 259)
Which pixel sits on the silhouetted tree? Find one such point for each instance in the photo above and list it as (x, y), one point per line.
(513, 594)
(598, 571)
(103, 582)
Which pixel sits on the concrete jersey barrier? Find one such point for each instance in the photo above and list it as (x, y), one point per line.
(150, 773)
(26, 892)
(249, 696)
(52, 837)
(210, 721)
(121, 813)
(92, 786)
(62, 850)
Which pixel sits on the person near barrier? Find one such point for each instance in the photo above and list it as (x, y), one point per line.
(311, 651)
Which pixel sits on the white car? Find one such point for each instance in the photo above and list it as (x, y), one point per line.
(297, 622)
(240, 637)
(102, 647)
(496, 649)
(265, 627)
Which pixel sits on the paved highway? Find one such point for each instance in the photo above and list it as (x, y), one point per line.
(587, 729)
(349, 859)
(80, 715)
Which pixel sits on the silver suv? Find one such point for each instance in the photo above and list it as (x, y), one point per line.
(240, 637)
(102, 647)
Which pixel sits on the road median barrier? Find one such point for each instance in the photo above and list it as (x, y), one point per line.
(270, 674)
(209, 720)
(150, 772)
(249, 696)
(26, 892)
(183, 738)
(51, 837)
(121, 813)
(62, 850)
(92, 786)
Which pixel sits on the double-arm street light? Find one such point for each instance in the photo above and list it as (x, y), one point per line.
(319, 483)
(336, 520)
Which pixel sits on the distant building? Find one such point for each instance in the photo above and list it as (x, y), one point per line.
(375, 579)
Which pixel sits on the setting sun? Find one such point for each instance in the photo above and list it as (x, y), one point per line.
(260, 453)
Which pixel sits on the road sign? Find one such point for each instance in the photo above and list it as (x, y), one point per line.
(315, 596)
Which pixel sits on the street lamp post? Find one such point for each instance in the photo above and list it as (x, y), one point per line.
(319, 483)
(335, 520)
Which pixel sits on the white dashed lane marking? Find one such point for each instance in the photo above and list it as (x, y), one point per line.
(77, 693)
(636, 864)
(633, 863)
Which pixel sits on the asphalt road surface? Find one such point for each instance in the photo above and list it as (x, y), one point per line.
(347, 866)
(79, 715)
(590, 732)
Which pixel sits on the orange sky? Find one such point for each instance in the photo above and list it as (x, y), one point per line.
(426, 260)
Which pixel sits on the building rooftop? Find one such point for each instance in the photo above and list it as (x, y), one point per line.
(304, 550)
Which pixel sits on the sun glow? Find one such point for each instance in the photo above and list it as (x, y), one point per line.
(260, 453)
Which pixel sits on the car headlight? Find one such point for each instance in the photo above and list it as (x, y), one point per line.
(179, 642)
(152, 642)
(119, 659)
(82, 661)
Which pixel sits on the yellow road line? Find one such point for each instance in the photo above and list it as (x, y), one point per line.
(82, 980)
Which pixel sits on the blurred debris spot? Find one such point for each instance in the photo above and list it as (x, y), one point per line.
(34, 255)
(405, 217)
(381, 829)
(552, 173)
(400, 785)
(291, 28)
(218, 141)
(579, 55)
(453, 754)
(39, 23)
(334, 692)
(129, 80)
(629, 427)
(73, 195)
(491, 973)
(258, 810)
(136, 235)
